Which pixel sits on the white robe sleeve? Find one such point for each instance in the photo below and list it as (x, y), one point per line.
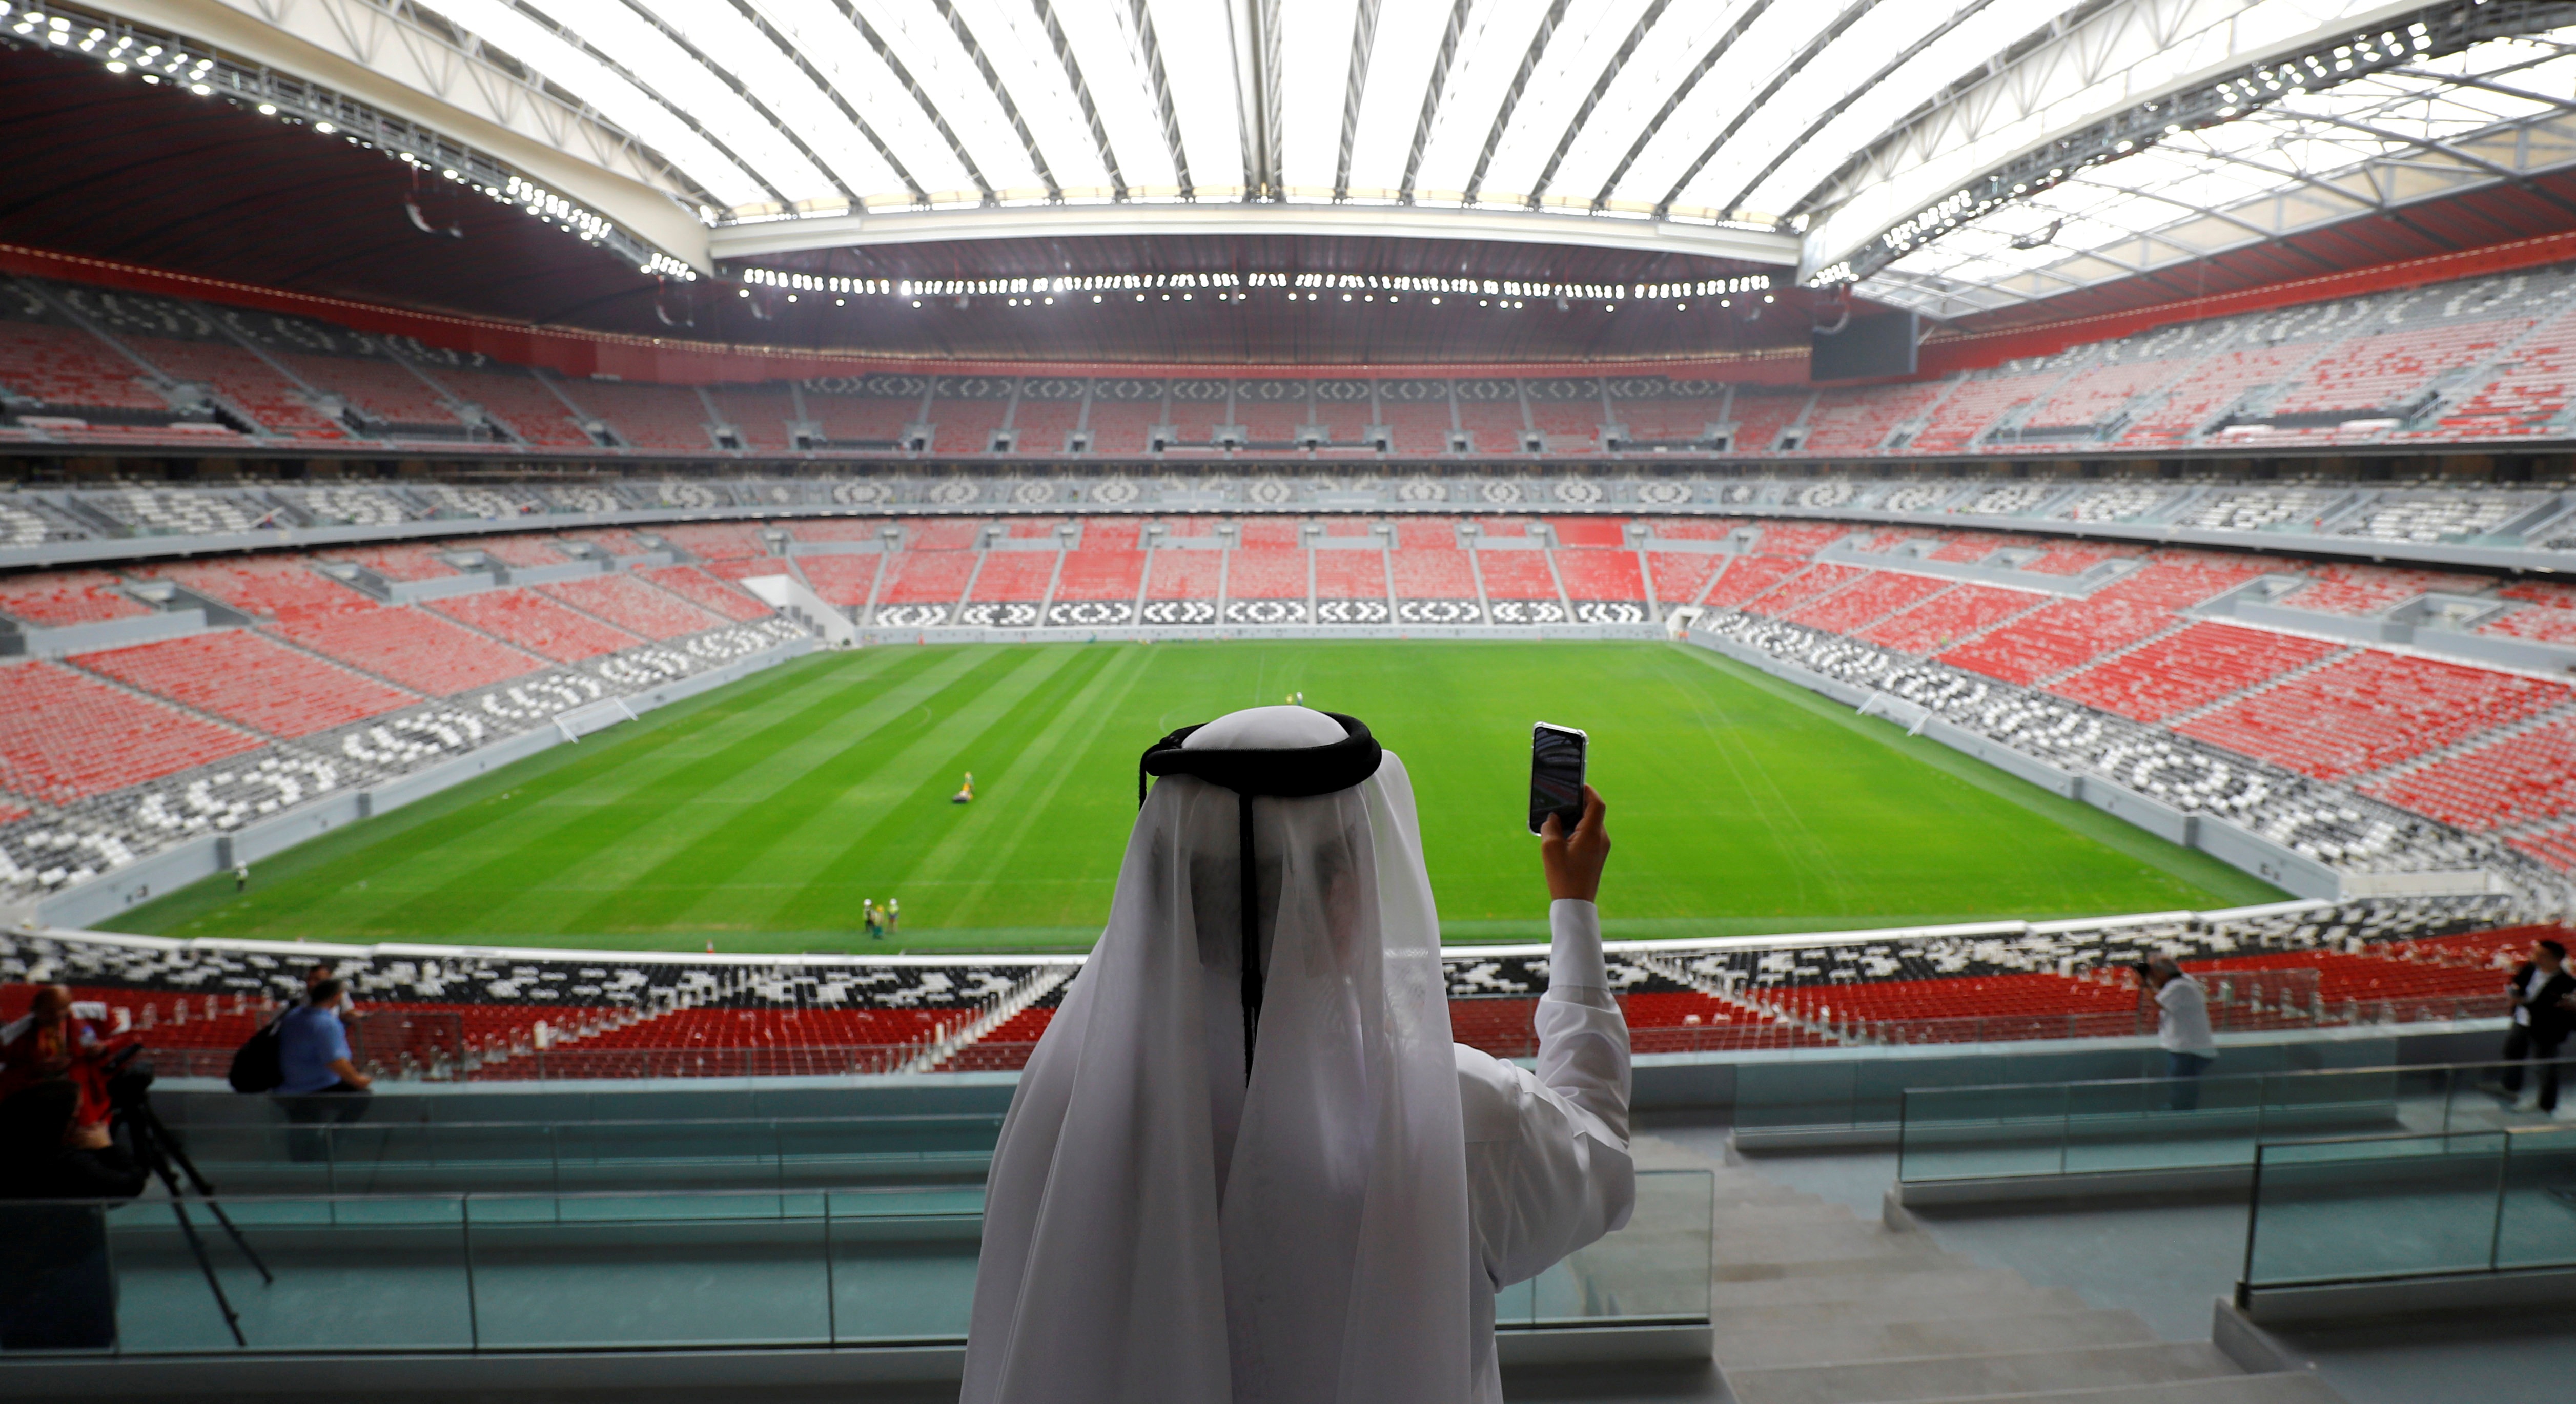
(1547, 1152)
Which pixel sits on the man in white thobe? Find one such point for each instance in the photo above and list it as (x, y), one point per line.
(1246, 1163)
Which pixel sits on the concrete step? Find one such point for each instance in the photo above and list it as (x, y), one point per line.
(1904, 1292)
(1845, 1340)
(2289, 1387)
(2005, 1294)
(1760, 1216)
(1979, 1376)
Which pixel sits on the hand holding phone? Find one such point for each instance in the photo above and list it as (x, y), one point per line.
(1557, 756)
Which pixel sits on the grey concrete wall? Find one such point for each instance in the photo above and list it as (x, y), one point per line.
(105, 633)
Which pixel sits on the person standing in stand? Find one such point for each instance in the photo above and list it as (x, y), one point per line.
(2182, 1029)
(2540, 988)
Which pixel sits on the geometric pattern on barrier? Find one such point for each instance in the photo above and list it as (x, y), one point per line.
(1089, 614)
(1265, 612)
(1439, 612)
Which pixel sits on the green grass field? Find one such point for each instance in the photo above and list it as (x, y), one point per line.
(758, 816)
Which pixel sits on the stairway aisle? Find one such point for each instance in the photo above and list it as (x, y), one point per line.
(1813, 1304)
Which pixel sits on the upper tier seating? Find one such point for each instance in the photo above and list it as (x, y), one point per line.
(2372, 710)
(761, 413)
(380, 390)
(1973, 408)
(69, 370)
(1044, 426)
(249, 680)
(2097, 395)
(64, 736)
(2194, 668)
(1859, 420)
(1848, 611)
(1417, 426)
(2518, 780)
(1124, 426)
(648, 416)
(1761, 416)
(2387, 370)
(860, 419)
(2207, 390)
(1664, 421)
(1270, 423)
(2530, 388)
(536, 623)
(276, 402)
(708, 593)
(522, 403)
(635, 606)
(1493, 426)
(1951, 615)
(412, 647)
(1569, 427)
(59, 597)
(966, 426)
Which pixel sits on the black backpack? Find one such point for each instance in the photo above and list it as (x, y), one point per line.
(259, 1065)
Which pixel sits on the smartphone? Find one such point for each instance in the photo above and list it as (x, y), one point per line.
(1556, 774)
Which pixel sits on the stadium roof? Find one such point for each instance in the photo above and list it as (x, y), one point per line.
(1956, 156)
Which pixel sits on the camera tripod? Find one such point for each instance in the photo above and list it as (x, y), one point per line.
(160, 1151)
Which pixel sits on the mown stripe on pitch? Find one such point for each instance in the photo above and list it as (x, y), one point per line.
(897, 827)
(569, 844)
(702, 886)
(1025, 794)
(737, 872)
(418, 844)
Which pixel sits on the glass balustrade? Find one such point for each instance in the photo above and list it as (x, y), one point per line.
(2216, 1121)
(2387, 1208)
(702, 1269)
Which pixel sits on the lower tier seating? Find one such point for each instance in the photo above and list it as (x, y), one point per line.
(2198, 666)
(2372, 710)
(56, 598)
(64, 736)
(412, 647)
(536, 623)
(2518, 780)
(633, 606)
(250, 680)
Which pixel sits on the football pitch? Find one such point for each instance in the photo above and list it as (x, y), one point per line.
(758, 816)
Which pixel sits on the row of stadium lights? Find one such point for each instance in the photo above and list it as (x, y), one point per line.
(2288, 78)
(1232, 287)
(157, 63)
